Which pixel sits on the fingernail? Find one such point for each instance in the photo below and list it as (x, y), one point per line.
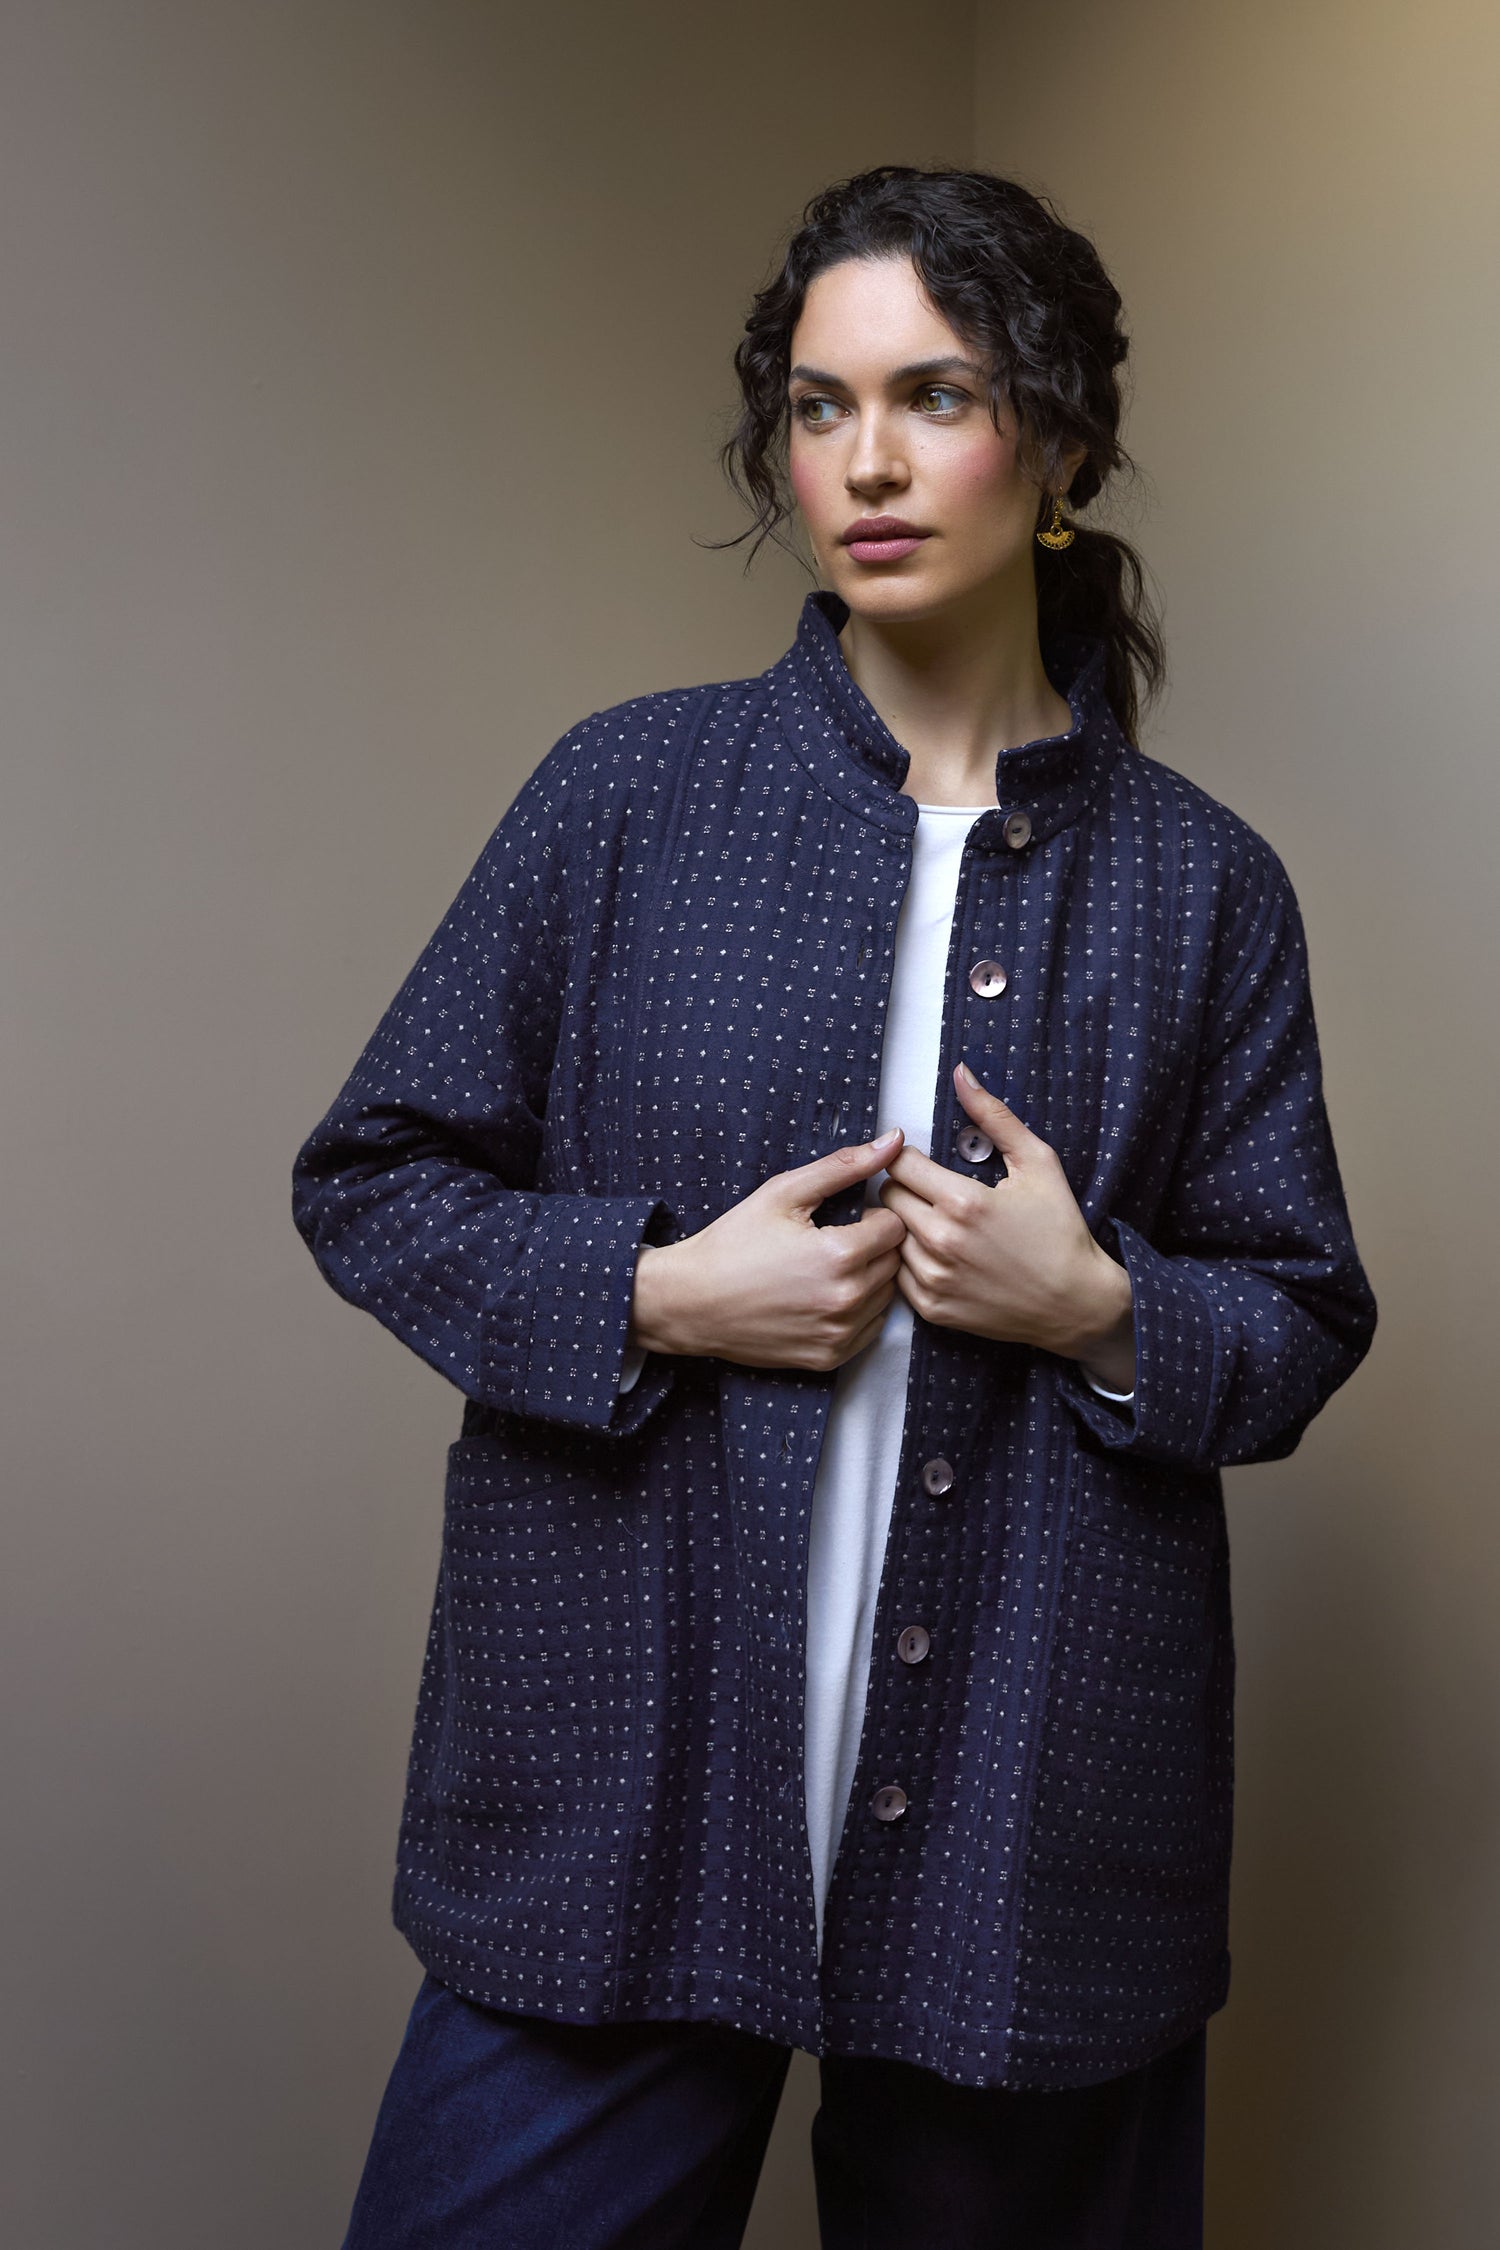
(967, 1075)
(883, 1140)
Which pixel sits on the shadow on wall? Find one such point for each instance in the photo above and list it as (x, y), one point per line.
(1337, 1955)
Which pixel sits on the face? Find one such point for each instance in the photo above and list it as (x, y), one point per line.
(914, 501)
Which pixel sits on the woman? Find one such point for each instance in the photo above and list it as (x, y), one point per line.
(832, 1643)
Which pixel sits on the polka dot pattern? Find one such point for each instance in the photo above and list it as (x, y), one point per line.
(664, 980)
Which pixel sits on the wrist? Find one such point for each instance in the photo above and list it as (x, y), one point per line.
(1104, 1345)
(657, 1322)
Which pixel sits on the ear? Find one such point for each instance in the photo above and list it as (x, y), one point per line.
(1048, 480)
(1072, 462)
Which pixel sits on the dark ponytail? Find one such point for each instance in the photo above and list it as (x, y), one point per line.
(1098, 586)
(1033, 296)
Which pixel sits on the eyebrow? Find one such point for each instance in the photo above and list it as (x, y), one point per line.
(915, 368)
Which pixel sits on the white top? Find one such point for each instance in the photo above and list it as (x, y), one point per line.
(856, 1479)
(855, 1484)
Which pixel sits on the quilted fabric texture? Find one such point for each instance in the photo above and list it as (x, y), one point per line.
(663, 981)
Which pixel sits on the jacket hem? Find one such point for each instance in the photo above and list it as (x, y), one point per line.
(667, 1990)
(673, 1990)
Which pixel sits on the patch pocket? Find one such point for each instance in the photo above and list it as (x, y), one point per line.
(536, 1659)
(1142, 1670)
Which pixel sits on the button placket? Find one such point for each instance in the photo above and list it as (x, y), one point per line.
(982, 996)
(988, 980)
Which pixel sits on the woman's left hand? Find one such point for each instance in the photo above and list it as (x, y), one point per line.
(1014, 1261)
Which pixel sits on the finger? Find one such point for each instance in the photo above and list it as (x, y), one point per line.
(805, 1186)
(930, 1180)
(884, 1269)
(876, 1232)
(1014, 1140)
(958, 1206)
(920, 1267)
(875, 1298)
(913, 1211)
(872, 1327)
(860, 1253)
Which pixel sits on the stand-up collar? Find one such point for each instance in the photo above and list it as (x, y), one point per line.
(837, 732)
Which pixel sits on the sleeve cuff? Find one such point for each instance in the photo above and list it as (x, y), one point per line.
(1178, 1373)
(556, 1323)
(1121, 1398)
(631, 1365)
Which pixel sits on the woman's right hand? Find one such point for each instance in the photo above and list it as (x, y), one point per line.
(761, 1285)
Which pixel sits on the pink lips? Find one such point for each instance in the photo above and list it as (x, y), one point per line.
(878, 539)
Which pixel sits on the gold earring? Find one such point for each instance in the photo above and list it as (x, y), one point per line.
(1057, 534)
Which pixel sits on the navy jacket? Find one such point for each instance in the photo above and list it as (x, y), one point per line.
(664, 980)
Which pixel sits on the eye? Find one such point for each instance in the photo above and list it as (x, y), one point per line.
(815, 413)
(939, 398)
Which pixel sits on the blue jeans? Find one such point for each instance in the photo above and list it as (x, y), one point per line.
(505, 2132)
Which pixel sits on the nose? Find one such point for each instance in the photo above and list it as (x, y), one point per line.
(875, 463)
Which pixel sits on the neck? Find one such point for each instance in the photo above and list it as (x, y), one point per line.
(958, 688)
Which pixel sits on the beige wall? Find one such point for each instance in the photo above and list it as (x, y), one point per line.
(1301, 205)
(364, 367)
(365, 364)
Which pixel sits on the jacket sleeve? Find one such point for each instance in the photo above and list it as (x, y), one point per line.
(1251, 1306)
(416, 1193)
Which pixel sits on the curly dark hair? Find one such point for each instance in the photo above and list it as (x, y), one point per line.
(1031, 294)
